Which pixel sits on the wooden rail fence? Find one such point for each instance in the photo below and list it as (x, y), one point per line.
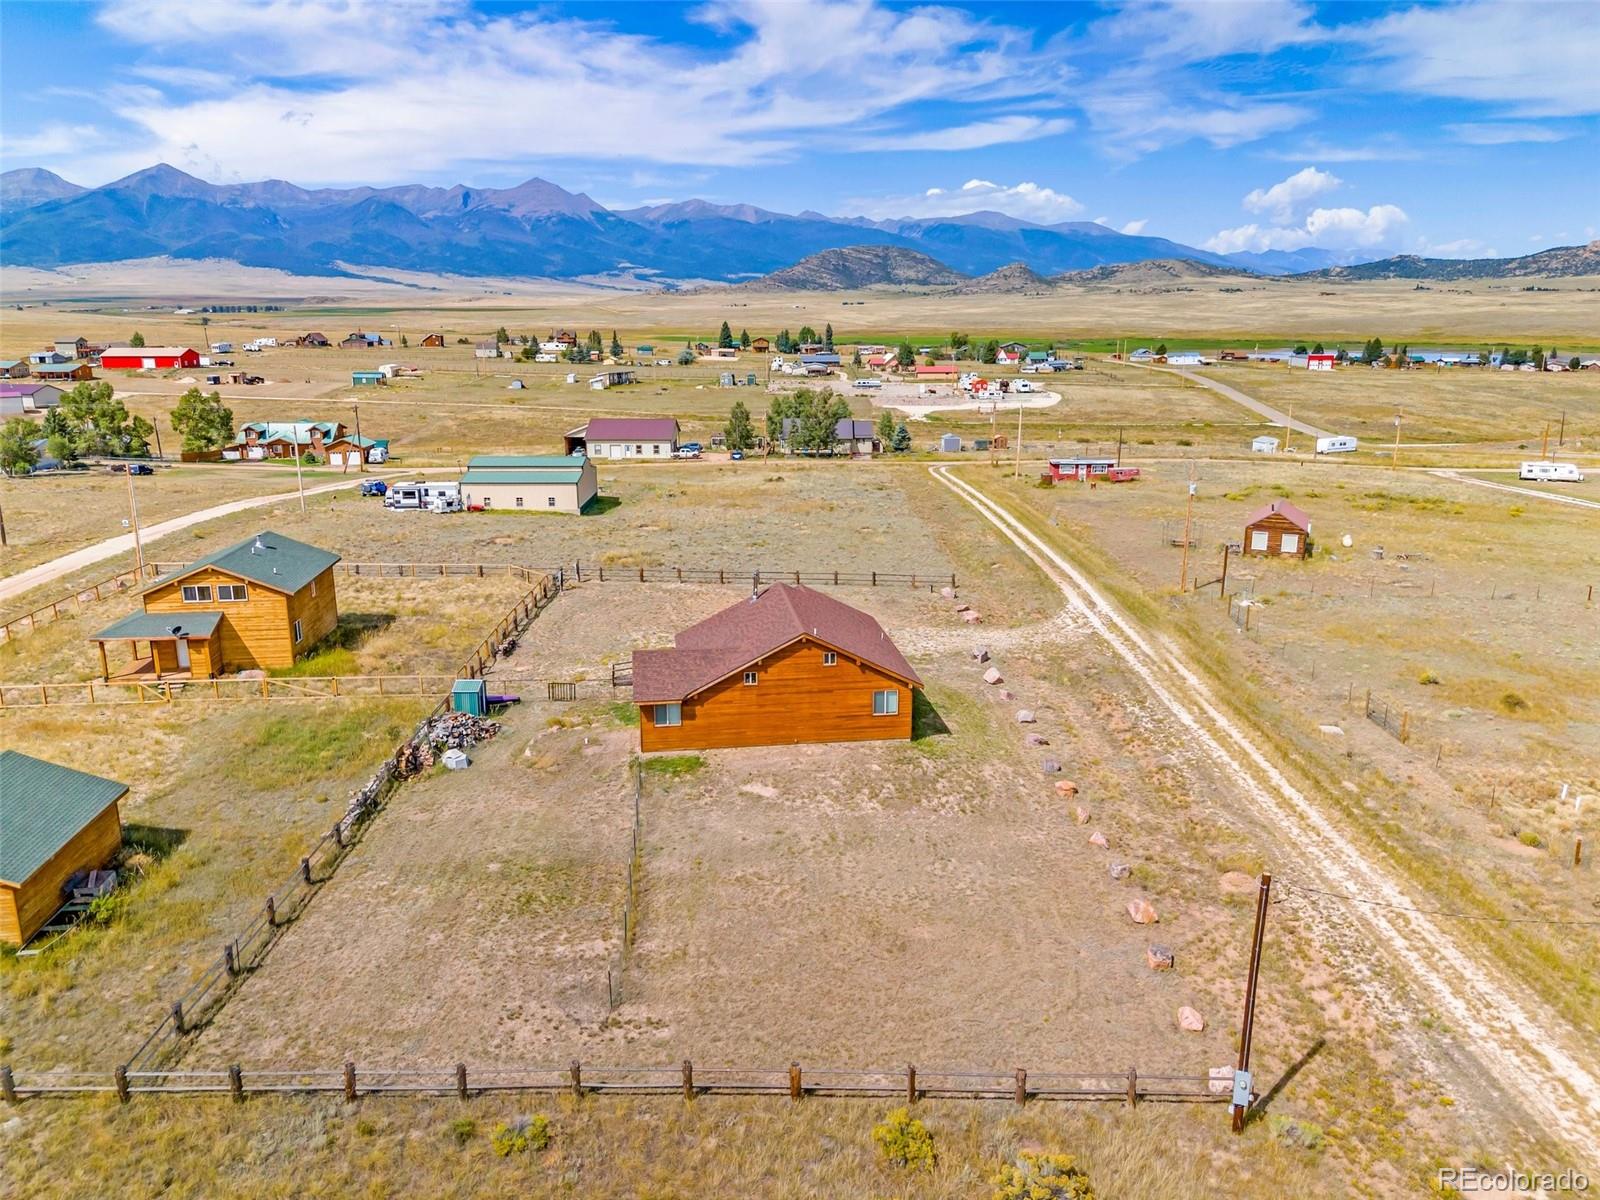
(170, 691)
(74, 602)
(794, 1082)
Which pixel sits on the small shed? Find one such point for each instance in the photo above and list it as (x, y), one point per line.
(950, 443)
(55, 822)
(366, 378)
(470, 696)
(1265, 444)
(1278, 530)
(434, 340)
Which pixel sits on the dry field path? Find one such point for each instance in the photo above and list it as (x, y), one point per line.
(1518, 1045)
(1519, 491)
(1260, 407)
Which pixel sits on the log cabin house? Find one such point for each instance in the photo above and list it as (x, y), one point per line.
(55, 823)
(433, 340)
(1279, 530)
(787, 665)
(256, 605)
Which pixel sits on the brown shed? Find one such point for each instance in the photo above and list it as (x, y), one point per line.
(55, 822)
(1279, 530)
(787, 665)
(434, 340)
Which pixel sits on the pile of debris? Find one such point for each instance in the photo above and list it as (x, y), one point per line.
(447, 731)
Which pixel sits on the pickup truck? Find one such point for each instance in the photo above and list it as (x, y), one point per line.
(374, 487)
(686, 452)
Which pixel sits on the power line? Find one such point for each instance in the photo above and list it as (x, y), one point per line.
(1431, 912)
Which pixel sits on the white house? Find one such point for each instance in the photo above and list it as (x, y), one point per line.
(625, 437)
(1264, 444)
(486, 350)
(1185, 358)
(1320, 362)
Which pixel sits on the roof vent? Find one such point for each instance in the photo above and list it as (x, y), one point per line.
(256, 547)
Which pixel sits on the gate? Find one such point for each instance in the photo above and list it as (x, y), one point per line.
(562, 691)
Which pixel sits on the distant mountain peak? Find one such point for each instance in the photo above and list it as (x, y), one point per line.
(1556, 262)
(850, 267)
(1013, 278)
(27, 186)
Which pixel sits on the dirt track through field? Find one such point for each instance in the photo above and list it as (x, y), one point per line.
(1522, 1047)
(1520, 491)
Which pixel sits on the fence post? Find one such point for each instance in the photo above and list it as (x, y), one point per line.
(794, 1081)
(874, 579)
(272, 913)
(911, 1084)
(1577, 852)
(119, 1077)
(229, 961)
(1133, 1088)
(350, 1082)
(576, 1071)
(177, 1017)
(461, 1081)
(337, 832)
(236, 1083)
(688, 1080)
(1022, 1086)
(305, 871)
(8, 1086)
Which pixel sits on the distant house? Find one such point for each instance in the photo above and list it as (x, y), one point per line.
(72, 347)
(879, 360)
(758, 345)
(1091, 467)
(48, 357)
(1185, 358)
(823, 362)
(530, 482)
(26, 399)
(360, 340)
(1233, 356)
(258, 604)
(852, 437)
(718, 353)
(788, 665)
(70, 372)
(1321, 362)
(1015, 349)
(331, 441)
(367, 378)
(55, 823)
(614, 377)
(434, 340)
(13, 368)
(146, 358)
(1142, 354)
(1265, 444)
(937, 371)
(313, 341)
(625, 437)
(486, 350)
(1278, 529)
(564, 337)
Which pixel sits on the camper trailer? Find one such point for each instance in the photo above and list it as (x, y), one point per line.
(1340, 444)
(1550, 472)
(404, 495)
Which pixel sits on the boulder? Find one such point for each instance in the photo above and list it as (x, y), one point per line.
(1025, 716)
(1051, 766)
(992, 676)
(1082, 815)
(981, 653)
(961, 608)
(1159, 958)
(971, 618)
(949, 593)
(1191, 1020)
(1099, 839)
(1064, 788)
(1120, 870)
(1037, 739)
(1007, 694)
(1236, 883)
(1219, 1081)
(1142, 912)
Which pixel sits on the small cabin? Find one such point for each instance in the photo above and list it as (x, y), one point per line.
(1265, 444)
(1278, 530)
(257, 605)
(56, 824)
(434, 340)
(786, 666)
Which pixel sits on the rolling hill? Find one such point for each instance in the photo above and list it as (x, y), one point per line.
(1555, 263)
(852, 267)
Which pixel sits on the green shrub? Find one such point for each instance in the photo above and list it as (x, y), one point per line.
(366, 1128)
(1426, 676)
(674, 765)
(1529, 838)
(462, 1130)
(1512, 702)
(1042, 1177)
(904, 1141)
(104, 910)
(521, 1135)
(1290, 1132)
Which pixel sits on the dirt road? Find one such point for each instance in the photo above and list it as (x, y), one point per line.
(1519, 491)
(1276, 416)
(1524, 1049)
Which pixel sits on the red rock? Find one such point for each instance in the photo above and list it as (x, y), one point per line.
(1142, 912)
(1191, 1020)
(992, 676)
(1099, 839)
(1159, 958)
(1082, 814)
(1065, 789)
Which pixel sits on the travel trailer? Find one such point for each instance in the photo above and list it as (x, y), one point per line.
(1550, 472)
(1336, 445)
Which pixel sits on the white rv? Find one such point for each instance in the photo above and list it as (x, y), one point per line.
(1340, 444)
(1550, 472)
(404, 495)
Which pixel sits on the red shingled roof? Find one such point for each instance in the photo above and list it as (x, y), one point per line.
(749, 631)
(1284, 509)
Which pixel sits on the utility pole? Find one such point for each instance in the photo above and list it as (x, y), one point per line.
(1241, 1074)
(1288, 428)
(1223, 590)
(1394, 461)
(1119, 445)
(1544, 444)
(994, 429)
(299, 477)
(1561, 437)
(361, 455)
(1188, 522)
(133, 521)
(1019, 440)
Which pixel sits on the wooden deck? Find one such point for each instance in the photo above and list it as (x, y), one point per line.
(143, 670)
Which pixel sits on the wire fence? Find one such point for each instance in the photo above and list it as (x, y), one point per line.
(1394, 721)
(793, 1082)
(630, 899)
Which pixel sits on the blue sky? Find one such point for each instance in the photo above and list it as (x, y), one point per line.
(1452, 128)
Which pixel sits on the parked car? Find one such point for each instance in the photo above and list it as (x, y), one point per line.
(685, 452)
(736, 455)
(695, 446)
(131, 469)
(374, 487)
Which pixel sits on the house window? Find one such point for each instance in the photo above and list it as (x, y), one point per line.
(549, 501)
(886, 703)
(197, 593)
(1258, 539)
(749, 679)
(297, 633)
(638, 449)
(519, 501)
(1290, 544)
(829, 658)
(234, 592)
(656, 449)
(668, 714)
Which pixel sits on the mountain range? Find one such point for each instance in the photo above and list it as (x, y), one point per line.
(539, 229)
(534, 229)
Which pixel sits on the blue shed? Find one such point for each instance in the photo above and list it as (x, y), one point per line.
(470, 696)
(366, 378)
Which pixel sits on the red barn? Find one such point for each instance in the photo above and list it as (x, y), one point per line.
(140, 358)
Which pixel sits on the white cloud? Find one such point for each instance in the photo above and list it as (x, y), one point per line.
(1202, 30)
(1134, 117)
(1503, 133)
(326, 91)
(996, 132)
(1281, 201)
(1027, 201)
(1134, 228)
(1536, 60)
(1327, 228)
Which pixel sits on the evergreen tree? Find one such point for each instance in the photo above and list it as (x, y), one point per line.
(990, 352)
(725, 337)
(137, 339)
(1162, 349)
(785, 343)
(855, 357)
(204, 422)
(616, 345)
(739, 434)
(1317, 349)
(744, 339)
(404, 341)
(886, 428)
(501, 337)
(902, 439)
(905, 356)
(827, 337)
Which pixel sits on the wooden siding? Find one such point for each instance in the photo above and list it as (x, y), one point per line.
(23, 909)
(257, 633)
(1275, 526)
(795, 699)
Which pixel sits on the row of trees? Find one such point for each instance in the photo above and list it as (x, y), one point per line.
(91, 421)
(813, 418)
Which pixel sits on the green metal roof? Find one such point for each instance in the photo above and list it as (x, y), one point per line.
(140, 625)
(568, 474)
(268, 558)
(478, 461)
(42, 808)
